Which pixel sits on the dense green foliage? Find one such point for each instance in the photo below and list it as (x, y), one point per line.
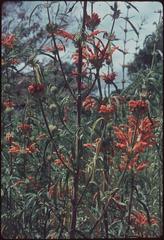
(77, 163)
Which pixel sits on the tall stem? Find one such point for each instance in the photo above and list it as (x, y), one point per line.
(78, 139)
(155, 43)
(92, 7)
(59, 59)
(98, 82)
(124, 54)
(130, 203)
(51, 136)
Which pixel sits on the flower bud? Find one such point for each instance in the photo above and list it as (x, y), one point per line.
(53, 107)
(52, 128)
(53, 89)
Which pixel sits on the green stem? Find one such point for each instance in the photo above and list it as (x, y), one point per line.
(60, 62)
(51, 137)
(124, 54)
(99, 83)
(78, 133)
(130, 204)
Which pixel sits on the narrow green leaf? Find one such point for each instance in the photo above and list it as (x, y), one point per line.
(96, 122)
(120, 50)
(131, 24)
(133, 6)
(71, 8)
(160, 52)
(33, 12)
(57, 11)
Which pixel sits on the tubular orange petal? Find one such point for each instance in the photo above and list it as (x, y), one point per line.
(140, 146)
(142, 166)
(121, 145)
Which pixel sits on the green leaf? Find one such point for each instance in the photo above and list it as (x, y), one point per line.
(160, 52)
(31, 202)
(120, 50)
(57, 11)
(133, 6)
(70, 10)
(106, 16)
(96, 122)
(10, 23)
(120, 229)
(131, 24)
(33, 12)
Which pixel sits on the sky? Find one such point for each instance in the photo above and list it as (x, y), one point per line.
(146, 10)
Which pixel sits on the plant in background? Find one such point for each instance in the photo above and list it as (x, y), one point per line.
(75, 164)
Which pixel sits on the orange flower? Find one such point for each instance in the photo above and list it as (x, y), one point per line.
(138, 106)
(121, 145)
(123, 165)
(146, 128)
(14, 61)
(132, 164)
(15, 148)
(25, 128)
(95, 57)
(59, 162)
(62, 33)
(92, 21)
(124, 137)
(139, 218)
(94, 33)
(9, 40)
(140, 146)
(32, 148)
(102, 54)
(144, 136)
(70, 36)
(8, 104)
(51, 49)
(106, 109)
(89, 103)
(142, 165)
(132, 121)
(89, 145)
(129, 143)
(109, 78)
(36, 88)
